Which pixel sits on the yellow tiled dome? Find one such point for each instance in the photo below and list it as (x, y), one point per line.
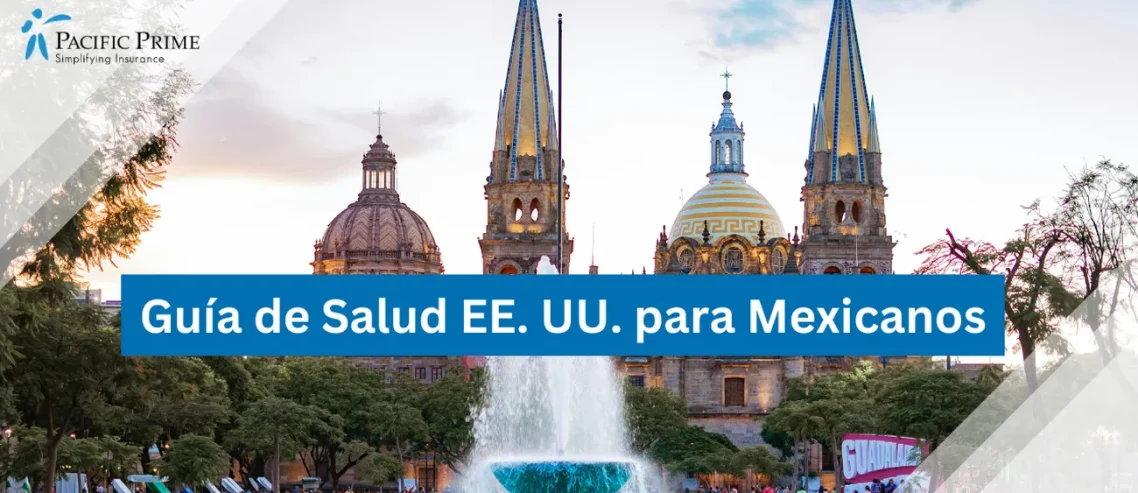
(730, 206)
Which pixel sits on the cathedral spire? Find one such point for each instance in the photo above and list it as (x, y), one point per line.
(726, 138)
(526, 122)
(843, 123)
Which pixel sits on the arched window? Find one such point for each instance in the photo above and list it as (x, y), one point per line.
(832, 270)
(778, 261)
(733, 260)
(516, 207)
(867, 270)
(856, 212)
(718, 152)
(840, 211)
(738, 152)
(534, 206)
(508, 270)
(730, 153)
(686, 259)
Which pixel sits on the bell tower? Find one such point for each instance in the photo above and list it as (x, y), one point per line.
(521, 191)
(844, 195)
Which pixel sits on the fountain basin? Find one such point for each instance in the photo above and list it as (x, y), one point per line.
(562, 476)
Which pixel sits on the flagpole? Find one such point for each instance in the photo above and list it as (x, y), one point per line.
(560, 163)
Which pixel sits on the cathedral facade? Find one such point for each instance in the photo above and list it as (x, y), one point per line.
(726, 228)
(729, 228)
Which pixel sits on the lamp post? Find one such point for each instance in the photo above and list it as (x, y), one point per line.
(560, 162)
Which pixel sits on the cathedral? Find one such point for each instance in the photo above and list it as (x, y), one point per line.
(727, 227)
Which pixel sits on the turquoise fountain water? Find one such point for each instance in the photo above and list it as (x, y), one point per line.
(553, 425)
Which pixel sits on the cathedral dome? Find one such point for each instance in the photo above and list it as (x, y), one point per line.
(378, 233)
(729, 206)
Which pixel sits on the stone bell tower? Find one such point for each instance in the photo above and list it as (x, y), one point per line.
(521, 192)
(844, 195)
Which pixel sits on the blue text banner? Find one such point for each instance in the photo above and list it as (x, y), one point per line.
(551, 315)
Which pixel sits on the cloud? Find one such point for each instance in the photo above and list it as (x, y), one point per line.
(231, 128)
(750, 24)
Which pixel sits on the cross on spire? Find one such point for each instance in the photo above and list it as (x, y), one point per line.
(726, 78)
(379, 117)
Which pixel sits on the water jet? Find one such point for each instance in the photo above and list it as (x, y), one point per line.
(553, 425)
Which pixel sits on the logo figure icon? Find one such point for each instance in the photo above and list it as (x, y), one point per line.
(36, 41)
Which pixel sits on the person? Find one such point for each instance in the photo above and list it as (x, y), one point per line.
(890, 487)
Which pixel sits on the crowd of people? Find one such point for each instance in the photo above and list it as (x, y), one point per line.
(877, 486)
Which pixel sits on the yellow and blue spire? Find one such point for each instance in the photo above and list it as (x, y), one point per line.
(726, 137)
(527, 124)
(844, 121)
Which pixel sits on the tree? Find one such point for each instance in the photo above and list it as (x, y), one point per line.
(837, 404)
(247, 380)
(100, 458)
(691, 449)
(1035, 298)
(652, 413)
(344, 391)
(833, 418)
(164, 398)
(400, 426)
(795, 419)
(1057, 260)
(67, 367)
(1096, 221)
(281, 427)
(194, 460)
(448, 407)
(379, 469)
(760, 460)
(928, 405)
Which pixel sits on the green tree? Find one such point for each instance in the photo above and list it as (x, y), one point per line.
(760, 460)
(693, 450)
(165, 398)
(23, 455)
(401, 428)
(838, 404)
(448, 407)
(110, 217)
(795, 419)
(281, 428)
(342, 390)
(653, 413)
(247, 380)
(379, 469)
(927, 405)
(194, 461)
(68, 366)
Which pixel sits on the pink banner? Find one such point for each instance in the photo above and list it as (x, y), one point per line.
(881, 457)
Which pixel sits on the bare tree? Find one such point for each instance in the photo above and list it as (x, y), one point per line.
(1096, 222)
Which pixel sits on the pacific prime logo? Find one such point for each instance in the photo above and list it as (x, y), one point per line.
(83, 48)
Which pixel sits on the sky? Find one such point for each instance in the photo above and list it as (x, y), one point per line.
(983, 107)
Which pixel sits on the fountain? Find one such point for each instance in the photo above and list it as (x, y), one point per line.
(553, 425)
